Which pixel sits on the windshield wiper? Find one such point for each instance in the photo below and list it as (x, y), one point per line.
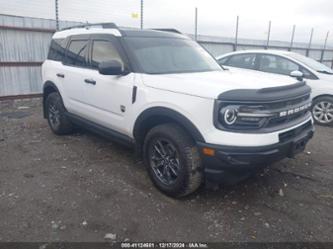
(324, 71)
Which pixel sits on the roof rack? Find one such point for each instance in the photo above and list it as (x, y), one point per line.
(105, 25)
(169, 30)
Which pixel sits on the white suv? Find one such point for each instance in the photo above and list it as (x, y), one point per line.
(163, 94)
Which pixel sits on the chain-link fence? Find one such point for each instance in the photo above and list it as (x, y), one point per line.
(24, 41)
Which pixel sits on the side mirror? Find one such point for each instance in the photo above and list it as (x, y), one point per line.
(112, 67)
(297, 74)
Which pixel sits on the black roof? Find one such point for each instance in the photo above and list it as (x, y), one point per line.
(167, 33)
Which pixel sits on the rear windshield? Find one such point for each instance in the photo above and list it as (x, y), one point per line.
(170, 55)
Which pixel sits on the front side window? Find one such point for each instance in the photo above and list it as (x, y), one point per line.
(157, 55)
(76, 53)
(103, 51)
(242, 61)
(277, 64)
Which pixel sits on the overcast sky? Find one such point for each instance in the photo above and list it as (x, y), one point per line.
(216, 17)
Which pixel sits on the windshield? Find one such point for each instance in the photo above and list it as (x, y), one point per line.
(313, 64)
(170, 55)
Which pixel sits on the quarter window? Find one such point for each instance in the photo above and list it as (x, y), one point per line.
(57, 50)
(76, 53)
(243, 61)
(277, 64)
(103, 51)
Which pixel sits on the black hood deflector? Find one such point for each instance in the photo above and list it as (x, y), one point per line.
(271, 94)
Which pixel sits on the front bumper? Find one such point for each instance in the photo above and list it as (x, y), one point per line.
(231, 164)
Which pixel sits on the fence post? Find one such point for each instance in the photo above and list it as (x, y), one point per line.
(196, 23)
(268, 34)
(292, 38)
(310, 42)
(236, 34)
(325, 44)
(57, 14)
(141, 14)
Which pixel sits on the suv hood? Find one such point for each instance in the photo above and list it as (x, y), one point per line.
(212, 84)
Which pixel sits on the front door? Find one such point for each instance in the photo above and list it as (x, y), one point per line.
(109, 97)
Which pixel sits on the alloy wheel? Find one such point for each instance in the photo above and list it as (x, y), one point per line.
(164, 161)
(323, 112)
(54, 115)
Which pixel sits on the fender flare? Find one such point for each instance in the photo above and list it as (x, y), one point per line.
(170, 114)
(48, 87)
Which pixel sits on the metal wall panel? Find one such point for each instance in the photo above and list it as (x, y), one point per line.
(217, 49)
(23, 45)
(20, 80)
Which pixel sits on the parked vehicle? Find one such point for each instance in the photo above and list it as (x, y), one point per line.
(318, 76)
(163, 94)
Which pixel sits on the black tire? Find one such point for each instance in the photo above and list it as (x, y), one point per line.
(186, 161)
(323, 103)
(58, 121)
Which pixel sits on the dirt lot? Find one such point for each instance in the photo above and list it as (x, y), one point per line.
(81, 187)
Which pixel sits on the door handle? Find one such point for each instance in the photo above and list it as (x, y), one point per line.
(90, 81)
(60, 75)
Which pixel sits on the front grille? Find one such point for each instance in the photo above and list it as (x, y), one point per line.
(285, 106)
(288, 135)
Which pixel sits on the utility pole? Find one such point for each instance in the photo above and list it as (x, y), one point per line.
(57, 14)
(196, 24)
(141, 15)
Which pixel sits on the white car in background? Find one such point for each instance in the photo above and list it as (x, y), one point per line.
(318, 76)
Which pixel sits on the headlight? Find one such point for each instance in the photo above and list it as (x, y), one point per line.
(240, 117)
(229, 115)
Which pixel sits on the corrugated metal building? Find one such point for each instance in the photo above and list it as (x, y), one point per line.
(24, 45)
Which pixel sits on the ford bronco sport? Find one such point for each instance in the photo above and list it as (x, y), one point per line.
(163, 94)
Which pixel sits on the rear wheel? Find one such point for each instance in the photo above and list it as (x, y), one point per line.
(56, 115)
(322, 110)
(172, 160)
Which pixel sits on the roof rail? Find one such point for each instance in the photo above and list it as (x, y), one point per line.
(105, 25)
(169, 30)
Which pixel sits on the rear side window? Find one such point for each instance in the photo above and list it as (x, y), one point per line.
(57, 50)
(103, 51)
(242, 61)
(76, 53)
(277, 64)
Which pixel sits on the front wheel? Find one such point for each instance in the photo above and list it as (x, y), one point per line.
(172, 160)
(56, 115)
(322, 110)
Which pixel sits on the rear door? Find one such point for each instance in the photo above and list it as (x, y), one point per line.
(75, 72)
(246, 61)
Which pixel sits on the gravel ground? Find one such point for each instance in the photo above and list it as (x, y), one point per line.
(82, 187)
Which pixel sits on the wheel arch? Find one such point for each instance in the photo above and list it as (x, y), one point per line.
(159, 115)
(322, 96)
(48, 88)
